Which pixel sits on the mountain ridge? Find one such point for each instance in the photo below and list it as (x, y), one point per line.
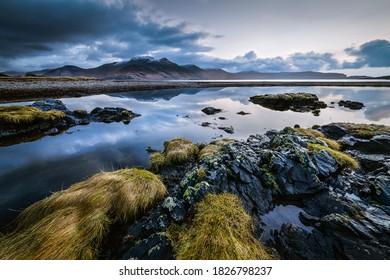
(149, 68)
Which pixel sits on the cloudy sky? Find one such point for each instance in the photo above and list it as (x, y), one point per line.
(348, 36)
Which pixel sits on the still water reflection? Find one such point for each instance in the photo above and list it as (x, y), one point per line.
(31, 171)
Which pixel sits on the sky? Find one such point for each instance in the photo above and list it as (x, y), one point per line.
(351, 37)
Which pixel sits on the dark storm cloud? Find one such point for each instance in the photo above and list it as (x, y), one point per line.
(37, 27)
(375, 53)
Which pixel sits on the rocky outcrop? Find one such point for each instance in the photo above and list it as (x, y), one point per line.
(346, 212)
(297, 102)
(18, 133)
(353, 105)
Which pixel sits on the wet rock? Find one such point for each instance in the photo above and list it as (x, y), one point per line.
(316, 112)
(111, 114)
(353, 105)
(334, 131)
(205, 124)
(175, 209)
(294, 243)
(80, 113)
(156, 247)
(325, 163)
(243, 113)
(150, 150)
(297, 102)
(51, 104)
(211, 110)
(381, 189)
(378, 144)
(294, 179)
(227, 129)
(372, 163)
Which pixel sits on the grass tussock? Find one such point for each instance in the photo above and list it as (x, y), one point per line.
(157, 161)
(209, 151)
(214, 147)
(14, 115)
(220, 230)
(331, 143)
(310, 132)
(179, 150)
(71, 224)
(365, 131)
(222, 142)
(343, 159)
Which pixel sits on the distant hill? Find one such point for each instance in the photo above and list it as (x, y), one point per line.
(149, 68)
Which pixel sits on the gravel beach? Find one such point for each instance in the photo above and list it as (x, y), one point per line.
(25, 89)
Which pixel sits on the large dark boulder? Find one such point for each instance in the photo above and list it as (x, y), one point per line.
(379, 144)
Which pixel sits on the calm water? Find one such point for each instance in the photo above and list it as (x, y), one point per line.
(31, 171)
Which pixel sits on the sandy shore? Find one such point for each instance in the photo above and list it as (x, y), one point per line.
(14, 89)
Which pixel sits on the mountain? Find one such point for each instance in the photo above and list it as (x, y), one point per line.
(149, 68)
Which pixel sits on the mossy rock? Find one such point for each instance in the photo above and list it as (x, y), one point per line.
(72, 224)
(365, 131)
(220, 230)
(315, 134)
(344, 160)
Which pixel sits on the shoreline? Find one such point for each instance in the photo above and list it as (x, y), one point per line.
(32, 89)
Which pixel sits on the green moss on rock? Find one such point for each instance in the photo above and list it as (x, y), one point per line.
(343, 159)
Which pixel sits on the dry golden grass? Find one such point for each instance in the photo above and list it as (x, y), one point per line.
(365, 131)
(331, 143)
(222, 142)
(343, 159)
(179, 150)
(220, 230)
(310, 132)
(157, 161)
(209, 151)
(15, 115)
(71, 224)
